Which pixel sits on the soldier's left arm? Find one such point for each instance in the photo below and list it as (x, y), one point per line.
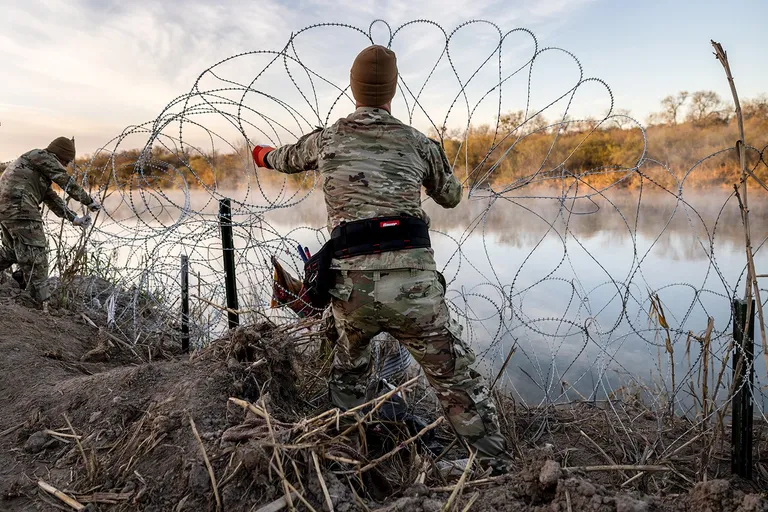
(57, 205)
(299, 157)
(440, 182)
(47, 164)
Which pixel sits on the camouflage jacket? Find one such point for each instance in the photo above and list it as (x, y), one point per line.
(372, 165)
(26, 184)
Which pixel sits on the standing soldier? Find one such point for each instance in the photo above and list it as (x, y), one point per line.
(24, 186)
(382, 270)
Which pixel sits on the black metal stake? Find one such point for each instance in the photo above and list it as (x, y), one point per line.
(185, 303)
(743, 404)
(228, 245)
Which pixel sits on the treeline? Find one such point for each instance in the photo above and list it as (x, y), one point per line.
(599, 152)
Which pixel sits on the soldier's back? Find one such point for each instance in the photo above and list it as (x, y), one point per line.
(22, 188)
(372, 165)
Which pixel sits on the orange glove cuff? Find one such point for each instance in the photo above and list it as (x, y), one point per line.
(260, 155)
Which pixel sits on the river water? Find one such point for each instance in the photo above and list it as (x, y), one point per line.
(567, 283)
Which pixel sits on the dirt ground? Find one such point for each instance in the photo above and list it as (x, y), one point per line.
(115, 431)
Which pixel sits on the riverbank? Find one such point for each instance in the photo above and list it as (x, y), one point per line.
(244, 423)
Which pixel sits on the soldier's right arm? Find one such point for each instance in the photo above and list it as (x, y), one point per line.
(299, 157)
(440, 182)
(47, 164)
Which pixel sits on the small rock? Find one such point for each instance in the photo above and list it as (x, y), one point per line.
(199, 483)
(586, 489)
(626, 503)
(36, 442)
(129, 486)
(94, 416)
(753, 503)
(550, 474)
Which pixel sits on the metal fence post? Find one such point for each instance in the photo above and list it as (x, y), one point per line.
(185, 303)
(228, 245)
(743, 379)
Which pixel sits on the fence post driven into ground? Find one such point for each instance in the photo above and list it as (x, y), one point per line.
(743, 379)
(228, 246)
(185, 303)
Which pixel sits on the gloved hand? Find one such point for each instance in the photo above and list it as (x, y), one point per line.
(260, 153)
(94, 206)
(82, 222)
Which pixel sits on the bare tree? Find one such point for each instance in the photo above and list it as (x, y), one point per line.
(537, 123)
(707, 108)
(619, 119)
(671, 106)
(756, 107)
(511, 120)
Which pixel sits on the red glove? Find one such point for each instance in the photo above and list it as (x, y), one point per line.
(260, 155)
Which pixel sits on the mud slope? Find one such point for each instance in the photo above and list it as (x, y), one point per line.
(115, 432)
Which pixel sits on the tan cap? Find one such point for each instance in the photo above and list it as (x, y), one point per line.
(63, 148)
(373, 77)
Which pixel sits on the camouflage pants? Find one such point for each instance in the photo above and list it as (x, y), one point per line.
(410, 305)
(24, 244)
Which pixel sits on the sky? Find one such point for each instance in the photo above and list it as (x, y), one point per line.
(91, 68)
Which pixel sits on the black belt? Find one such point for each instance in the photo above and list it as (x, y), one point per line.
(357, 238)
(382, 234)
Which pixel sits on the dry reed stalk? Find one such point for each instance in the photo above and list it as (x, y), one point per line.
(639, 475)
(472, 483)
(471, 502)
(207, 464)
(602, 452)
(328, 500)
(229, 310)
(752, 285)
(13, 429)
(275, 506)
(706, 341)
(619, 467)
(258, 411)
(341, 459)
(659, 311)
(60, 495)
(402, 445)
(89, 467)
(278, 457)
(300, 496)
(512, 350)
(460, 484)
(376, 402)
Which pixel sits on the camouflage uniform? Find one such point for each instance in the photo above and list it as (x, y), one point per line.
(24, 185)
(372, 165)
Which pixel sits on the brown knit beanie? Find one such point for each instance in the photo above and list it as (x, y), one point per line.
(373, 77)
(63, 148)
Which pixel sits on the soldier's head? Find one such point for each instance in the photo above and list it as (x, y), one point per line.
(373, 77)
(63, 148)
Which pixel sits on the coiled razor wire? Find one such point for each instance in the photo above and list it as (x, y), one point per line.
(553, 278)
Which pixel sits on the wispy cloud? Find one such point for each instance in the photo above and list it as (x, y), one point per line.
(94, 66)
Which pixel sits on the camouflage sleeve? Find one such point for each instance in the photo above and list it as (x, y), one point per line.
(47, 164)
(57, 205)
(299, 157)
(440, 182)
